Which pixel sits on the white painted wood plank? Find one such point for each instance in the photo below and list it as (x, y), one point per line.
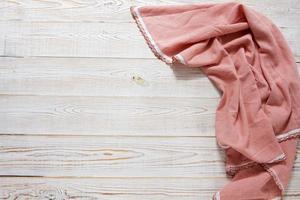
(109, 189)
(80, 156)
(101, 77)
(119, 188)
(75, 39)
(107, 115)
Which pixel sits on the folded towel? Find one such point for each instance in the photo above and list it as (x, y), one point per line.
(247, 58)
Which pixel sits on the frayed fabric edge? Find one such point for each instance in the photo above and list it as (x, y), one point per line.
(150, 41)
(217, 196)
(232, 170)
(275, 177)
(295, 133)
(281, 138)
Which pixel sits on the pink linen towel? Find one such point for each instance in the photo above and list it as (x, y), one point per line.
(247, 58)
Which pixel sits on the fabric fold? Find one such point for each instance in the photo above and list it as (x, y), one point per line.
(247, 58)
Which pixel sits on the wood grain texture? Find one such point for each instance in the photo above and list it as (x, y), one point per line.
(81, 156)
(65, 115)
(117, 188)
(101, 77)
(87, 111)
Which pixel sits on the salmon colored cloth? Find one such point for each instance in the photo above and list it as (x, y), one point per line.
(247, 58)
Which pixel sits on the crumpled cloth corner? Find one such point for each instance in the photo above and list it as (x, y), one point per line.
(245, 55)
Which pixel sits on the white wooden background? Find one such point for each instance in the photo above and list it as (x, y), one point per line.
(87, 112)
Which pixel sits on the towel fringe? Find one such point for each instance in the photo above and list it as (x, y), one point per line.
(233, 169)
(148, 38)
(275, 177)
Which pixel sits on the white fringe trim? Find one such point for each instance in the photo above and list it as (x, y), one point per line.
(231, 169)
(180, 59)
(289, 134)
(141, 22)
(149, 39)
(278, 158)
(276, 198)
(274, 176)
(217, 196)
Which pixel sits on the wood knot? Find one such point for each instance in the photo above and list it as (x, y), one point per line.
(139, 80)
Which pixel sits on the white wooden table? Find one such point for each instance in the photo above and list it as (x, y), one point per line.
(87, 112)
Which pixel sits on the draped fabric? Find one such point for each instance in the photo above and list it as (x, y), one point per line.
(245, 55)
